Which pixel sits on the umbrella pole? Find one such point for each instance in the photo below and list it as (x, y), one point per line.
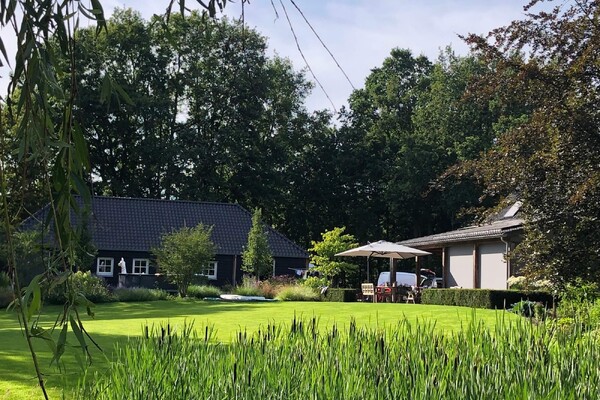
(392, 278)
(368, 272)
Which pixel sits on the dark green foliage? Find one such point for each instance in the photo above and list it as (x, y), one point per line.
(90, 286)
(483, 298)
(547, 147)
(139, 294)
(342, 295)
(28, 252)
(6, 296)
(202, 291)
(4, 279)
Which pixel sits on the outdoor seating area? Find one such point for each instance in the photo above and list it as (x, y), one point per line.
(390, 294)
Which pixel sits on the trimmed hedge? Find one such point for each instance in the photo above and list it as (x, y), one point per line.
(344, 295)
(483, 298)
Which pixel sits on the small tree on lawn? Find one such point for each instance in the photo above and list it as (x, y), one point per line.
(323, 254)
(257, 258)
(184, 253)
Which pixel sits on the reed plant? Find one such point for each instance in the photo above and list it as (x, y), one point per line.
(299, 361)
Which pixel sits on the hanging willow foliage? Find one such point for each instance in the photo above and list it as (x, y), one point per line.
(39, 133)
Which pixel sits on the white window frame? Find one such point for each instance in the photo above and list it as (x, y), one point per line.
(146, 267)
(212, 266)
(101, 262)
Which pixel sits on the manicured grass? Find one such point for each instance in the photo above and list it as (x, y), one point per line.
(116, 321)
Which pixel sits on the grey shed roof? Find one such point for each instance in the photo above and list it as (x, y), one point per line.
(497, 229)
(135, 224)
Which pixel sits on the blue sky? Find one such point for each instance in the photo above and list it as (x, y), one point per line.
(360, 33)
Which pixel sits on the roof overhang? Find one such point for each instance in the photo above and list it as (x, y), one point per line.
(495, 230)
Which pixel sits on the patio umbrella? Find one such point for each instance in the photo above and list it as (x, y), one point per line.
(385, 249)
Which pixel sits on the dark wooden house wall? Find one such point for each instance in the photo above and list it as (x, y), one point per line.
(229, 269)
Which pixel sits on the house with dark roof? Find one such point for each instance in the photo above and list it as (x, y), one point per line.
(476, 256)
(128, 228)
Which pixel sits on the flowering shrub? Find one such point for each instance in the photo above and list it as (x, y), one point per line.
(271, 287)
(516, 282)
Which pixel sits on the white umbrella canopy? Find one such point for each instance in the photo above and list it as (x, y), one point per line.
(384, 249)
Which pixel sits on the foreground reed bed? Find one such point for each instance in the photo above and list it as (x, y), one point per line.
(297, 361)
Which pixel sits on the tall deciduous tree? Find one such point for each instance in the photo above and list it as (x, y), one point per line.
(257, 258)
(183, 254)
(210, 117)
(549, 154)
(410, 123)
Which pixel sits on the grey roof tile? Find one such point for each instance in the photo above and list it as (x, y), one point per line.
(136, 224)
(495, 229)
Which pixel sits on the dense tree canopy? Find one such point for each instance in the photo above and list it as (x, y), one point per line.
(208, 116)
(405, 128)
(548, 153)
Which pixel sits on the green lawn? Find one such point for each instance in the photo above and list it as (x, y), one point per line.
(116, 321)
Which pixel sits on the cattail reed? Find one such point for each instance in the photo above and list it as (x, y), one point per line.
(301, 361)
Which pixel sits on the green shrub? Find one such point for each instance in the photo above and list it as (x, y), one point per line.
(529, 309)
(315, 282)
(483, 298)
(202, 291)
(344, 295)
(297, 293)
(578, 301)
(139, 294)
(92, 287)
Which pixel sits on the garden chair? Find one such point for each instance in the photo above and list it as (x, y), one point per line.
(410, 296)
(368, 290)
